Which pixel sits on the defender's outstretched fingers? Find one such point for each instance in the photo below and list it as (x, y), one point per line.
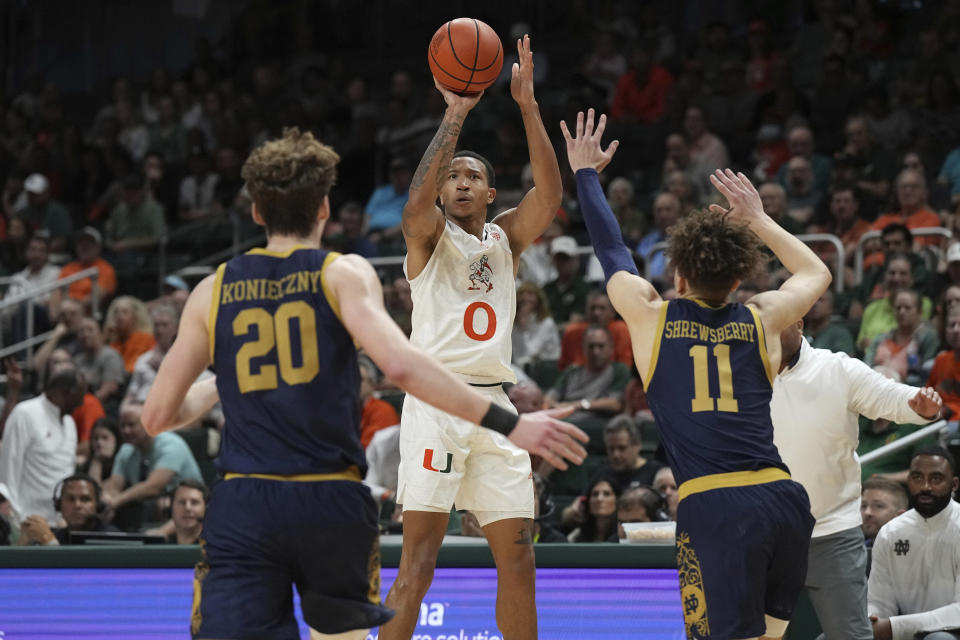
(548, 455)
(567, 447)
(721, 186)
(572, 431)
(559, 412)
(588, 131)
(579, 124)
(566, 132)
(601, 125)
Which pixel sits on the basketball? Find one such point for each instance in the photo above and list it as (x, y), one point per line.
(465, 56)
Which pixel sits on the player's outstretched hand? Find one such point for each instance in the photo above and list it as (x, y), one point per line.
(542, 434)
(584, 150)
(745, 206)
(521, 74)
(455, 101)
(927, 403)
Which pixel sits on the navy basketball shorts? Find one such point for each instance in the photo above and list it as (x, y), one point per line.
(741, 555)
(262, 536)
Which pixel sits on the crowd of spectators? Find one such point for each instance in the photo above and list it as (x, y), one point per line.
(843, 113)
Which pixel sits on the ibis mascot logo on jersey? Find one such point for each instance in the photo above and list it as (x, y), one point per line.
(480, 274)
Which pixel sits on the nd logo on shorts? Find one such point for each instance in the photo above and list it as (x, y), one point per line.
(428, 462)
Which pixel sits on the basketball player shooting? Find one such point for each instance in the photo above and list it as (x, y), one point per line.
(462, 274)
(743, 526)
(280, 326)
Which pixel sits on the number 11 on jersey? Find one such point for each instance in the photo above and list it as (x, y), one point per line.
(702, 400)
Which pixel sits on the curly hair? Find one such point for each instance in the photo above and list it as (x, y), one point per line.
(711, 253)
(142, 321)
(288, 178)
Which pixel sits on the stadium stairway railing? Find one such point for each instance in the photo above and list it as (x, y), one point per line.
(29, 296)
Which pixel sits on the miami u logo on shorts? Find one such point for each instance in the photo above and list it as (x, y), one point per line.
(428, 462)
(692, 598)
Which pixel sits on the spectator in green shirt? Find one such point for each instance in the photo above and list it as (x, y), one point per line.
(879, 317)
(824, 330)
(137, 222)
(567, 294)
(597, 386)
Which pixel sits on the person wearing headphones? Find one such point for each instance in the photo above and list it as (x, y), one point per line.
(77, 499)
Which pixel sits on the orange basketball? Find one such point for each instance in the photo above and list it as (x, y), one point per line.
(465, 56)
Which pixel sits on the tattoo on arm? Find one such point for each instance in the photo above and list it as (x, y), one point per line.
(443, 143)
(525, 535)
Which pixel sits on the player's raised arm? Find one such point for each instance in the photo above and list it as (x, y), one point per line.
(357, 291)
(539, 206)
(422, 220)
(810, 277)
(174, 400)
(632, 296)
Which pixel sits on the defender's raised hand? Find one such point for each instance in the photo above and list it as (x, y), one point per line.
(745, 205)
(584, 150)
(542, 434)
(521, 76)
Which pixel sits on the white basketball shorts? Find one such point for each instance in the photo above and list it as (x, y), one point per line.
(446, 461)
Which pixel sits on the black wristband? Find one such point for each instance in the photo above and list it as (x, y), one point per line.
(499, 419)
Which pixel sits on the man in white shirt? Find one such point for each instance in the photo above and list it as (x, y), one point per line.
(40, 444)
(37, 273)
(817, 400)
(915, 583)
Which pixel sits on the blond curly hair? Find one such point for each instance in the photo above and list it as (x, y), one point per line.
(288, 178)
(142, 321)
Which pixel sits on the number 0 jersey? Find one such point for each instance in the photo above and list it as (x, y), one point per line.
(286, 367)
(464, 301)
(709, 390)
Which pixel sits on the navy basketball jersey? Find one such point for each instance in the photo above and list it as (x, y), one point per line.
(709, 389)
(286, 367)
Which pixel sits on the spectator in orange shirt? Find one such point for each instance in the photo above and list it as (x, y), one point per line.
(128, 329)
(945, 375)
(599, 311)
(377, 414)
(88, 247)
(641, 93)
(911, 189)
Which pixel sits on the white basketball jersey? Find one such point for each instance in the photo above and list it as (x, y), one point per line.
(464, 302)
